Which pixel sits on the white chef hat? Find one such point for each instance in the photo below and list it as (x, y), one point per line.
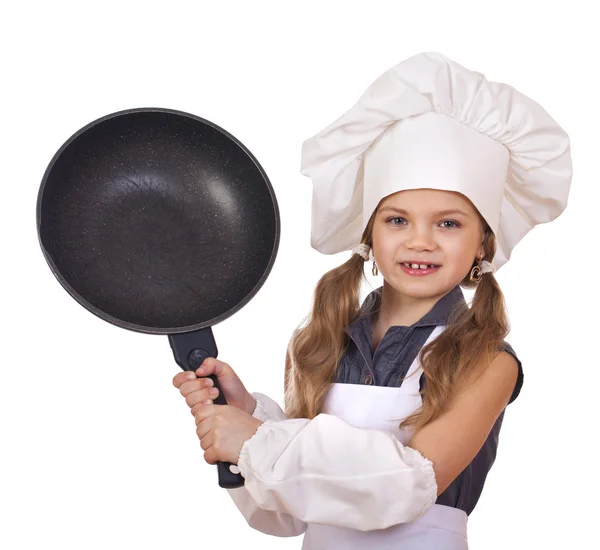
(429, 122)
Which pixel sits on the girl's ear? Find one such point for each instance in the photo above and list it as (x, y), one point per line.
(481, 251)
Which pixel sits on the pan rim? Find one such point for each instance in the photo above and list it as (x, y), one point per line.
(144, 328)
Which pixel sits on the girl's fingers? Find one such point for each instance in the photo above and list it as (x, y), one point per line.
(205, 434)
(182, 377)
(207, 367)
(201, 395)
(211, 365)
(197, 407)
(195, 385)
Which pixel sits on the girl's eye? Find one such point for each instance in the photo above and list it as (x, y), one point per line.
(450, 221)
(445, 221)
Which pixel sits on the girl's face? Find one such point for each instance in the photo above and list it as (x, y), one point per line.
(426, 226)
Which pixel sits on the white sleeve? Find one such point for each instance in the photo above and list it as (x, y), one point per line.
(327, 471)
(277, 523)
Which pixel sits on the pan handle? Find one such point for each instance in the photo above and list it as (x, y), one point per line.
(190, 349)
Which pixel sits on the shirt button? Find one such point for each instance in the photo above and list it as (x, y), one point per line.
(369, 379)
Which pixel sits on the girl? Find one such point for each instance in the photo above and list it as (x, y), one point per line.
(393, 407)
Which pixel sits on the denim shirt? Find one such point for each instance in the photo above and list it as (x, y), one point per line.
(390, 363)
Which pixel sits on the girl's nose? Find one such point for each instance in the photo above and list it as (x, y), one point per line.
(420, 239)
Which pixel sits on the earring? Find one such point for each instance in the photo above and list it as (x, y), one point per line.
(375, 271)
(476, 272)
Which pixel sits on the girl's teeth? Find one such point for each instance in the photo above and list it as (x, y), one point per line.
(418, 266)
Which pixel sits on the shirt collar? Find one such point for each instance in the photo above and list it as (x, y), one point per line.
(437, 315)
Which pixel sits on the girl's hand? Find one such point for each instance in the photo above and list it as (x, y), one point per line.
(222, 430)
(196, 387)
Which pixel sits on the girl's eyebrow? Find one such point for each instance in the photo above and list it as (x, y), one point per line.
(439, 213)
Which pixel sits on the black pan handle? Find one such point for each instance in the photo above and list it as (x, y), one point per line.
(190, 349)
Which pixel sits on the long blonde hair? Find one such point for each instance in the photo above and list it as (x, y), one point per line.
(460, 353)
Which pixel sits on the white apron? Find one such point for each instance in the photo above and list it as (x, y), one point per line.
(383, 408)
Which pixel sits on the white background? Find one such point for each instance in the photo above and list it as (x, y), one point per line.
(99, 450)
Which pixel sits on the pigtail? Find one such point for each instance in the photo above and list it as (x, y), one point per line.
(315, 349)
(472, 338)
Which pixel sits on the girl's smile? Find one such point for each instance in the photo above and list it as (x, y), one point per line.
(419, 271)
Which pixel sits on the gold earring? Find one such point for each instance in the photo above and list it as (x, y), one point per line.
(476, 272)
(375, 271)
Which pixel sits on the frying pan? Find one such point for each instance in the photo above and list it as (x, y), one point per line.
(159, 221)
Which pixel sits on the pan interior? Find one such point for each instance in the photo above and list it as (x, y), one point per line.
(158, 220)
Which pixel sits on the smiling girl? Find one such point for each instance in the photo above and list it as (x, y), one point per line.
(394, 406)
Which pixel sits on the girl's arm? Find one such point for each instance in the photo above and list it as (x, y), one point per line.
(327, 471)
(453, 439)
(277, 523)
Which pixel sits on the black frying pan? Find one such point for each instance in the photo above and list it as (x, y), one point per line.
(161, 222)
